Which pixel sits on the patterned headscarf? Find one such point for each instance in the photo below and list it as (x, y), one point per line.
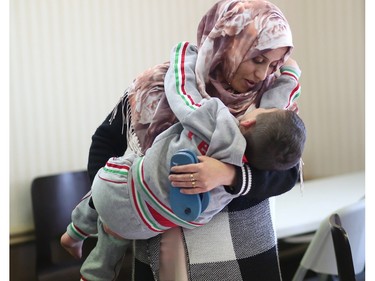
(231, 32)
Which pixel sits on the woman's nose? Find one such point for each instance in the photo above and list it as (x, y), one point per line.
(261, 73)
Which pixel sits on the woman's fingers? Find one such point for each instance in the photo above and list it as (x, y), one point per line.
(189, 168)
(203, 176)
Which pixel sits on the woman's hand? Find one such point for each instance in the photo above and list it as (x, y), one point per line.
(203, 176)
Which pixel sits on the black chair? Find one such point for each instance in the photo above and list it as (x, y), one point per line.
(53, 199)
(343, 252)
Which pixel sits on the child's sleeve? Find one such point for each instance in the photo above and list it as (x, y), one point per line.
(284, 91)
(180, 82)
(84, 220)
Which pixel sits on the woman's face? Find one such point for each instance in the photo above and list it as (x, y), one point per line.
(255, 70)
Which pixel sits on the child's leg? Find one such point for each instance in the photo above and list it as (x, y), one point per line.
(105, 260)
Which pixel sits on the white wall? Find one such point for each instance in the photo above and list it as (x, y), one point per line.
(71, 60)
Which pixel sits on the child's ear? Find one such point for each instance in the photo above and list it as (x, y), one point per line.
(248, 123)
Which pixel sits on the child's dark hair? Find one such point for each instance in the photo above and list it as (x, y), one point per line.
(276, 141)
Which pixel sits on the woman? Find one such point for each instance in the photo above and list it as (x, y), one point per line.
(241, 44)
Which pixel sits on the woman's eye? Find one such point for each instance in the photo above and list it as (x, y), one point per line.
(273, 67)
(258, 60)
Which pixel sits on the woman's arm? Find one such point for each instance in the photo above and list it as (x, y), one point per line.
(266, 184)
(109, 140)
(210, 173)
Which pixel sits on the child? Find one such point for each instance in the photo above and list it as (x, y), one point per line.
(131, 192)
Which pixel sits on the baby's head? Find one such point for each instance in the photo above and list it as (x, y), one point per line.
(275, 138)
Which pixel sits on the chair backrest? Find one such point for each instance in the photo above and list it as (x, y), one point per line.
(343, 252)
(53, 199)
(320, 255)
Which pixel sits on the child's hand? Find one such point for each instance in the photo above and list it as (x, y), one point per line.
(291, 62)
(73, 247)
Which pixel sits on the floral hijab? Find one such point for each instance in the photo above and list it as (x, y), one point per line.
(230, 32)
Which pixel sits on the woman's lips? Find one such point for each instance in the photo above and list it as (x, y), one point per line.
(250, 83)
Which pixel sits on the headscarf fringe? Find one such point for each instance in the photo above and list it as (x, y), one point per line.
(132, 139)
(301, 184)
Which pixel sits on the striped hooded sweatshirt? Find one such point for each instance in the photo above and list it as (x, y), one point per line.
(131, 193)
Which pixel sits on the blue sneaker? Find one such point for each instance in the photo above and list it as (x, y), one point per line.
(187, 206)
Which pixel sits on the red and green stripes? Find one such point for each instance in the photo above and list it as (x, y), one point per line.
(141, 209)
(114, 168)
(296, 92)
(77, 233)
(114, 172)
(180, 77)
(290, 71)
(155, 202)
